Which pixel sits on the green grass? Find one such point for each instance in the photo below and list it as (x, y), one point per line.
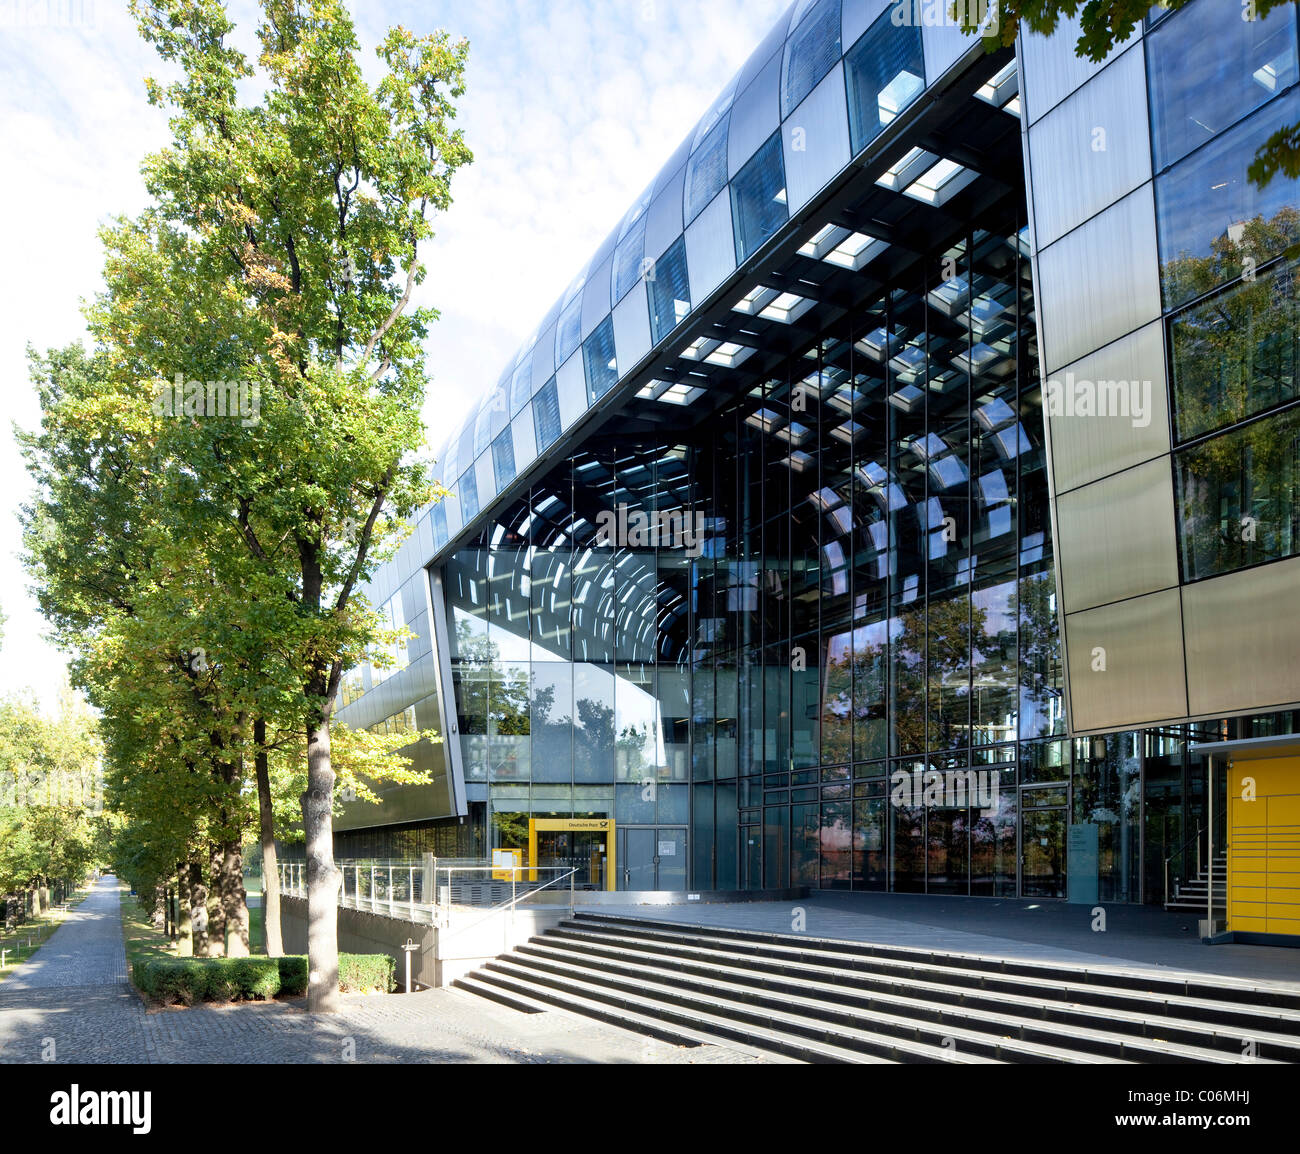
(27, 937)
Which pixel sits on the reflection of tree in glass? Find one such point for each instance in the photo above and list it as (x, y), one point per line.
(1234, 355)
(1040, 649)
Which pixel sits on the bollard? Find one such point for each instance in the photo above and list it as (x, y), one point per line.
(408, 947)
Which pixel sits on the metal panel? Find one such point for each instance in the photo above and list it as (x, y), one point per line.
(1126, 663)
(442, 687)
(856, 16)
(1099, 282)
(710, 247)
(1050, 70)
(571, 384)
(815, 139)
(773, 42)
(455, 511)
(664, 220)
(544, 357)
(943, 43)
(1085, 449)
(485, 477)
(632, 327)
(1099, 136)
(1243, 637)
(595, 296)
(1117, 537)
(755, 116)
(523, 439)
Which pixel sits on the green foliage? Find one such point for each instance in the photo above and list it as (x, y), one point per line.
(185, 981)
(361, 973)
(293, 974)
(1102, 25)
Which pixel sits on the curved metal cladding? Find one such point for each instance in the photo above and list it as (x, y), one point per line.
(787, 111)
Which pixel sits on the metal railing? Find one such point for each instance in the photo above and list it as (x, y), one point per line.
(1179, 852)
(426, 892)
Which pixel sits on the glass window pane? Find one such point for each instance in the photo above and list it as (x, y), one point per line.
(521, 384)
(758, 199)
(706, 171)
(1211, 219)
(546, 415)
(1237, 497)
(1209, 67)
(568, 333)
(628, 257)
(885, 72)
(1236, 355)
(810, 53)
(599, 361)
(670, 291)
(503, 460)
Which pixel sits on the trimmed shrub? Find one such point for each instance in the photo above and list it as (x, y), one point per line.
(362, 972)
(184, 981)
(293, 974)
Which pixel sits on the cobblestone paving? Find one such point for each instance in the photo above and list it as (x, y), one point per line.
(72, 1003)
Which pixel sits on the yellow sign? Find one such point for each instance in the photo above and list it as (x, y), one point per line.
(573, 825)
(506, 859)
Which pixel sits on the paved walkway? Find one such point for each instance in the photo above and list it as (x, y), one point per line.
(72, 1003)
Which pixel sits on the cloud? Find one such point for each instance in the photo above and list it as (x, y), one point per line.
(571, 108)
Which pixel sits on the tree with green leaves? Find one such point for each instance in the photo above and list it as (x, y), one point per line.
(1102, 25)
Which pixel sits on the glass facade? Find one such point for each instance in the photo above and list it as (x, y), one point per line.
(789, 606)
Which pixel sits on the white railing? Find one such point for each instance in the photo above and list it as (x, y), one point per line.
(426, 892)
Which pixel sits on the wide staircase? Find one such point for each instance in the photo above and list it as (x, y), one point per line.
(815, 1000)
(1190, 896)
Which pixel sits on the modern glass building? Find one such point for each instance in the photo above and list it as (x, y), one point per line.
(895, 497)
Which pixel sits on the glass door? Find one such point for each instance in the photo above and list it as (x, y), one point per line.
(1042, 852)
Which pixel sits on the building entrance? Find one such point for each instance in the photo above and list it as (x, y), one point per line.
(652, 857)
(1042, 852)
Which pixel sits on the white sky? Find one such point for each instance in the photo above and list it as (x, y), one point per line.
(571, 107)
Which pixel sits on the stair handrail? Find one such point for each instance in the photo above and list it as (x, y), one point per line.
(1182, 848)
(448, 933)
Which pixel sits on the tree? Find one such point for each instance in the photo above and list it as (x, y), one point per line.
(1102, 25)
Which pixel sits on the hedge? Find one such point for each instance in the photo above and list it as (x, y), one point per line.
(185, 981)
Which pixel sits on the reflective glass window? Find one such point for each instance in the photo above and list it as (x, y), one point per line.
(1211, 220)
(503, 460)
(468, 487)
(568, 333)
(599, 360)
(521, 384)
(1237, 497)
(1235, 355)
(670, 291)
(546, 415)
(1209, 67)
(628, 258)
(706, 171)
(885, 72)
(810, 53)
(758, 198)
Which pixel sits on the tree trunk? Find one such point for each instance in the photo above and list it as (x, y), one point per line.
(216, 904)
(322, 875)
(184, 927)
(270, 867)
(159, 918)
(234, 900)
(198, 909)
(36, 899)
(44, 894)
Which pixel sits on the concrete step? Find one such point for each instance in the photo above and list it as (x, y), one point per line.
(848, 996)
(1062, 979)
(787, 1032)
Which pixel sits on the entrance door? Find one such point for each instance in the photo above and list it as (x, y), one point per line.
(582, 850)
(652, 857)
(1042, 852)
